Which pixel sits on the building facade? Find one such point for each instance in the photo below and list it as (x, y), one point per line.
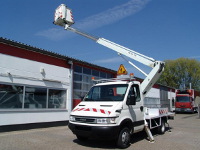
(40, 86)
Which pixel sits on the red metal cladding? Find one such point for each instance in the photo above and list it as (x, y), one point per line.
(31, 55)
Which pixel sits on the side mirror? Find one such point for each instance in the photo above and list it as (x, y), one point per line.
(131, 100)
(82, 97)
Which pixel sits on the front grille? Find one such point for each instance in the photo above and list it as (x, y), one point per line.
(85, 120)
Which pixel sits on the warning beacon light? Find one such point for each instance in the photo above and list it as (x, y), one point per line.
(63, 16)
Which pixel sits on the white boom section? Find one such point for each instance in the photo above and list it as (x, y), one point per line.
(157, 66)
(151, 78)
(127, 52)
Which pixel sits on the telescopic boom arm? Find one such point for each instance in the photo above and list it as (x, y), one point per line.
(63, 17)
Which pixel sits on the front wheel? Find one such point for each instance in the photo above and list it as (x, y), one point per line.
(81, 138)
(124, 138)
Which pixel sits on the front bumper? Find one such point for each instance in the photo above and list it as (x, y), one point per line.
(183, 110)
(104, 132)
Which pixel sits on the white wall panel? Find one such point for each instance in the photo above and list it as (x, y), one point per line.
(19, 68)
(27, 72)
(32, 117)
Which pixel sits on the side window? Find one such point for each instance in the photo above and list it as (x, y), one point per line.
(135, 91)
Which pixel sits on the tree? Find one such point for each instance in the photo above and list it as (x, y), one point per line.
(180, 73)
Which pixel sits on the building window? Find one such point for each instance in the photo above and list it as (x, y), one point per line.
(78, 69)
(86, 78)
(77, 86)
(95, 73)
(11, 96)
(35, 97)
(57, 99)
(86, 87)
(77, 94)
(109, 75)
(27, 97)
(86, 71)
(78, 77)
(102, 74)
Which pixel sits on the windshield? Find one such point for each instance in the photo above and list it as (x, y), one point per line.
(182, 99)
(114, 92)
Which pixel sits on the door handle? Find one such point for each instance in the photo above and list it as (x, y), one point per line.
(141, 108)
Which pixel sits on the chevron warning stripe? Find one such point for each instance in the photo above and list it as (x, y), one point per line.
(93, 110)
(163, 111)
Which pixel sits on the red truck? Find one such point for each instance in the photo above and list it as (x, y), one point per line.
(187, 101)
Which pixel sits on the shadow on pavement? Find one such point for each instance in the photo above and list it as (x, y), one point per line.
(110, 144)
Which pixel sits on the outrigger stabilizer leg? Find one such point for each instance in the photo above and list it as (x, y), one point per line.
(169, 129)
(149, 132)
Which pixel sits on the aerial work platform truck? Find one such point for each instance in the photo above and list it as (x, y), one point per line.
(113, 108)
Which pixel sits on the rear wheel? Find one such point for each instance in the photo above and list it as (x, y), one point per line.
(161, 129)
(124, 138)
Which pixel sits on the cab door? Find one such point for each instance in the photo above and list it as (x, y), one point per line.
(136, 108)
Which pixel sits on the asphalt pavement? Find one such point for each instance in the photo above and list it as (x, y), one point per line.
(184, 135)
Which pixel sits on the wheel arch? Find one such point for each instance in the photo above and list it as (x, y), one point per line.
(127, 123)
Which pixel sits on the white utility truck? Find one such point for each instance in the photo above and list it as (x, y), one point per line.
(113, 109)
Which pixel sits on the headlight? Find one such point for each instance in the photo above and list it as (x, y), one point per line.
(71, 118)
(105, 120)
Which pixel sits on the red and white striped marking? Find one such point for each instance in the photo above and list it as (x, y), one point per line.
(93, 110)
(72, 18)
(163, 111)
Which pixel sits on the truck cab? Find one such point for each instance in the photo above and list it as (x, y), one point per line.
(108, 110)
(184, 101)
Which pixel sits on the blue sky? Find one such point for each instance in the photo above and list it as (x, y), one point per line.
(161, 29)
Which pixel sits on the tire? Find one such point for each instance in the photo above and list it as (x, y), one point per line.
(81, 138)
(162, 128)
(124, 138)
